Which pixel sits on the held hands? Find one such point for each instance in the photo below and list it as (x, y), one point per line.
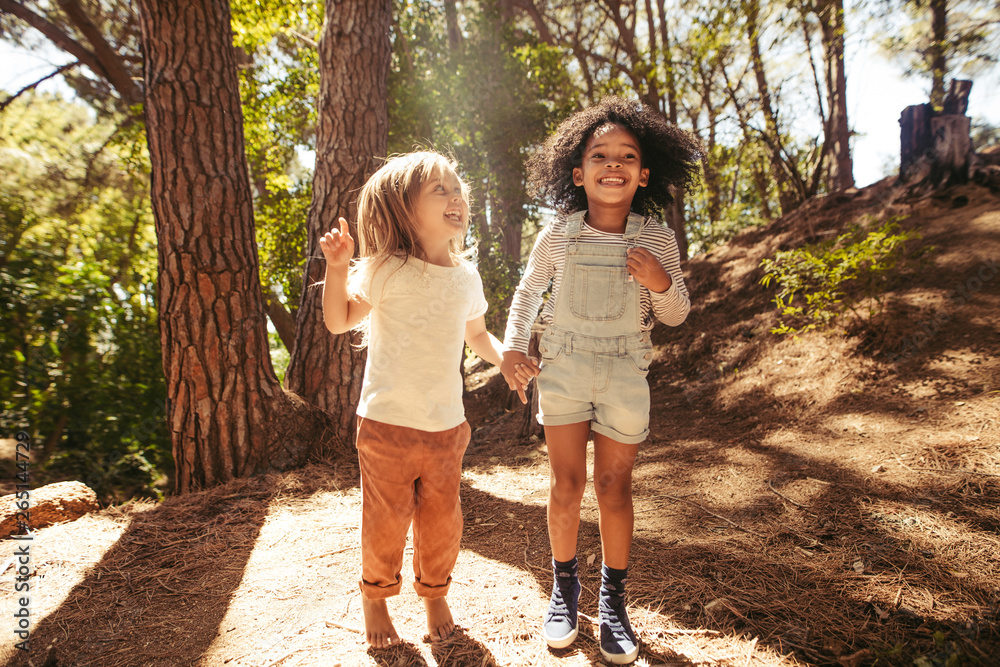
(518, 369)
(338, 246)
(647, 270)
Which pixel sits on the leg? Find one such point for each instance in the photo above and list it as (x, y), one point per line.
(613, 463)
(567, 447)
(379, 630)
(386, 509)
(437, 523)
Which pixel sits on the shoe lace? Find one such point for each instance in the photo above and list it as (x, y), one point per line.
(558, 607)
(613, 619)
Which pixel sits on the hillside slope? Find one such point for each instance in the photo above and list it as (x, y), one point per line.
(826, 499)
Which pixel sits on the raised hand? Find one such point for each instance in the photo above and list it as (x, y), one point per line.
(338, 246)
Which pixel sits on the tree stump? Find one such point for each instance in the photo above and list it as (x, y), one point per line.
(46, 505)
(914, 136)
(952, 146)
(935, 148)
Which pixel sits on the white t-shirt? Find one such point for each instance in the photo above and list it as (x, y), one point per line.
(419, 311)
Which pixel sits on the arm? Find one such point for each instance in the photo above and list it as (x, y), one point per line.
(341, 311)
(486, 345)
(662, 276)
(528, 296)
(482, 342)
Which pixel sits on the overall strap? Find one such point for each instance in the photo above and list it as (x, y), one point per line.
(574, 227)
(633, 227)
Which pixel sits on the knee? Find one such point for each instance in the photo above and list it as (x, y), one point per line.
(613, 491)
(567, 489)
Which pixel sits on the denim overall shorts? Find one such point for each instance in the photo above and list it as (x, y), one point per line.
(595, 357)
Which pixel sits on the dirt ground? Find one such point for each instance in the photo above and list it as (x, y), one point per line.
(820, 500)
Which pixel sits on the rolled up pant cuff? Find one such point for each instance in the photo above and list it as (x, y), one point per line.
(431, 592)
(376, 592)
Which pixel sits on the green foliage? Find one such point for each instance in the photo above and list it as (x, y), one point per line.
(79, 340)
(740, 202)
(278, 89)
(486, 98)
(850, 274)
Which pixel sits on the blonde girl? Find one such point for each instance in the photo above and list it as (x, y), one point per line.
(418, 299)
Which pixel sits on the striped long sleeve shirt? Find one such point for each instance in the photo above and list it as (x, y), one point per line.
(545, 268)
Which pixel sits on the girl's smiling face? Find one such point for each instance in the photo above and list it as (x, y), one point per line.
(442, 208)
(611, 170)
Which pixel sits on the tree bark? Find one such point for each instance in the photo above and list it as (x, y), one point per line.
(227, 415)
(838, 139)
(938, 51)
(352, 134)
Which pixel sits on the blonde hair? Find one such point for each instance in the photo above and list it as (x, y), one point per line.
(387, 206)
(387, 215)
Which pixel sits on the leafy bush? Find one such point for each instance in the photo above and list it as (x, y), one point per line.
(850, 274)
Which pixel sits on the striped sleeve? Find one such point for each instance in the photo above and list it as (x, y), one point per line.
(671, 306)
(528, 296)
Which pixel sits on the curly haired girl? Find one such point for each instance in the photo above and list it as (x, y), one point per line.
(614, 270)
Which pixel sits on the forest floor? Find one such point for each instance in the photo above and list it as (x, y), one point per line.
(820, 500)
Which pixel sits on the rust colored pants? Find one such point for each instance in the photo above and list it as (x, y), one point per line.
(409, 475)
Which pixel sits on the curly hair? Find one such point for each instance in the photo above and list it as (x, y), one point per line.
(671, 155)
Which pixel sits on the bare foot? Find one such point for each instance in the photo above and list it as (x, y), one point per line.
(379, 630)
(439, 622)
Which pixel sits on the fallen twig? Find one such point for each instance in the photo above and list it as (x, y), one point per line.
(707, 511)
(784, 497)
(350, 628)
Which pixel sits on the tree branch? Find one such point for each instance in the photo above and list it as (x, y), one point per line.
(31, 86)
(102, 61)
(112, 65)
(53, 33)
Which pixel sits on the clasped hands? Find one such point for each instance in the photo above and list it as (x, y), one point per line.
(518, 369)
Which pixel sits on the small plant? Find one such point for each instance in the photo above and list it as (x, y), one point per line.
(850, 274)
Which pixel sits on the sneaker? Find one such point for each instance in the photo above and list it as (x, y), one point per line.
(560, 625)
(618, 643)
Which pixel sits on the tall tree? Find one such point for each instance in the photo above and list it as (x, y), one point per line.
(352, 134)
(227, 414)
(837, 132)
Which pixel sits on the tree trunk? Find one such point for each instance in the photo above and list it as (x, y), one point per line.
(914, 136)
(838, 139)
(281, 318)
(227, 415)
(674, 214)
(952, 146)
(787, 196)
(938, 50)
(352, 135)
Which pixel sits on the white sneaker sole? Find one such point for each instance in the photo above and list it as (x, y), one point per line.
(561, 642)
(621, 658)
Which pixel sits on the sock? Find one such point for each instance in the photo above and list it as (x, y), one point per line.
(569, 567)
(613, 582)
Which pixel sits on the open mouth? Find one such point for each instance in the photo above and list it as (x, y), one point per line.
(454, 216)
(611, 180)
